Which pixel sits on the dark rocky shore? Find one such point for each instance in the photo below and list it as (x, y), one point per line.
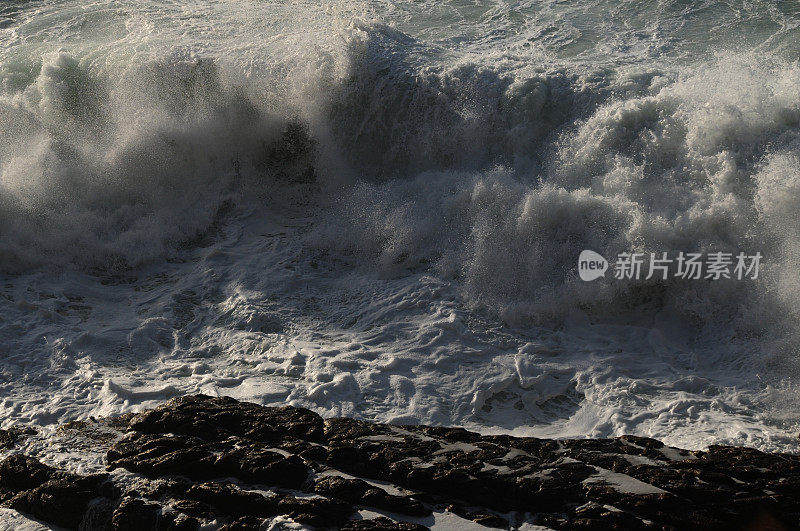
(215, 462)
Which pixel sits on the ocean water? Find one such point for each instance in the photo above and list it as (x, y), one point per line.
(375, 208)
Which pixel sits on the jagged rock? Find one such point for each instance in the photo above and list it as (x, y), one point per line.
(381, 524)
(233, 501)
(172, 521)
(62, 500)
(20, 472)
(10, 437)
(206, 462)
(245, 523)
(193, 508)
(158, 455)
(359, 492)
(483, 518)
(318, 512)
(134, 514)
(453, 466)
(220, 418)
(488, 520)
(98, 514)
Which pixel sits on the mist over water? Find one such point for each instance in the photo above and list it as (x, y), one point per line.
(376, 209)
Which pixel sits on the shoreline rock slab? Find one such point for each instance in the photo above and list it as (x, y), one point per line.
(208, 462)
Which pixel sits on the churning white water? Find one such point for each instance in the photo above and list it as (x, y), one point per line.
(375, 208)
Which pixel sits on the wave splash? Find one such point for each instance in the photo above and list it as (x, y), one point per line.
(495, 175)
(425, 175)
(506, 193)
(110, 172)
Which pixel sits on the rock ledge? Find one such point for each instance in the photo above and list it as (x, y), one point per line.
(202, 462)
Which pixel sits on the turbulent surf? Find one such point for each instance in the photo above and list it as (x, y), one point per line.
(376, 208)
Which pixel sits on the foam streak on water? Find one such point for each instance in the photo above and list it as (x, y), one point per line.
(375, 209)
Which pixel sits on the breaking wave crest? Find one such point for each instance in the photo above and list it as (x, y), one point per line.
(464, 184)
(494, 174)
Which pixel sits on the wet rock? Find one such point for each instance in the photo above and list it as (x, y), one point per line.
(202, 462)
(98, 514)
(478, 516)
(359, 492)
(134, 514)
(246, 523)
(61, 500)
(20, 472)
(259, 465)
(381, 524)
(193, 508)
(489, 520)
(317, 512)
(172, 521)
(233, 501)
(159, 455)
(10, 437)
(219, 418)
(156, 456)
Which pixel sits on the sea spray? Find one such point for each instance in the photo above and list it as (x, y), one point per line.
(377, 210)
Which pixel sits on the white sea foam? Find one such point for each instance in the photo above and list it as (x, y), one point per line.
(377, 212)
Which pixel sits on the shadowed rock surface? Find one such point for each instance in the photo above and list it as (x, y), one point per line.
(215, 462)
